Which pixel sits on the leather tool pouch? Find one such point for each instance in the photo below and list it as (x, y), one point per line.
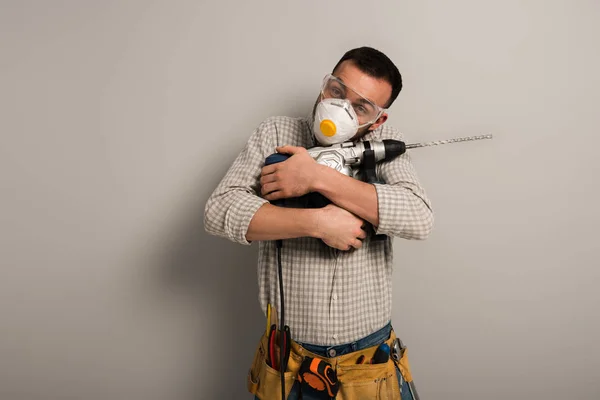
(356, 381)
(264, 381)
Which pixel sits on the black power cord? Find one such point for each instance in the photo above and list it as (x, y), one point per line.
(279, 244)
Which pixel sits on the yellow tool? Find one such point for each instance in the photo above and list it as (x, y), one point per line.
(274, 319)
(268, 318)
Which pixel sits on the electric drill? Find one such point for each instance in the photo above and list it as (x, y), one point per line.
(349, 158)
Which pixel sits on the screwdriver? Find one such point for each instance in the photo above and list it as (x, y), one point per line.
(382, 354)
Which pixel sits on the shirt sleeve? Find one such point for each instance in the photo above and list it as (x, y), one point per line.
(404, 208)
(230, 208)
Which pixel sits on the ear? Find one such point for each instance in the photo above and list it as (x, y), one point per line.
(379, 122)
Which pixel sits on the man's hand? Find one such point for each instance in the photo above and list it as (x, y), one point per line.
(293, 177)
(339, 228)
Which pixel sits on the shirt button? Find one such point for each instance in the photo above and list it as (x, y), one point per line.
(335, 336)
(334, 296)
(332, 353)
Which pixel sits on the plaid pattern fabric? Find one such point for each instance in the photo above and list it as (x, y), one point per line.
(332, 297)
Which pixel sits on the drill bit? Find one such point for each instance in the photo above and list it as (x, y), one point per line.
(438, 142)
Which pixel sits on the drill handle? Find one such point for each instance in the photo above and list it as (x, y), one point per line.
(369, 166)
(369, 170)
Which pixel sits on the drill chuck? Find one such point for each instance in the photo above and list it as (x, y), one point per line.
(393, 148)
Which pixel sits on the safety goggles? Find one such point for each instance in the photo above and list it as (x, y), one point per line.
(367, 111)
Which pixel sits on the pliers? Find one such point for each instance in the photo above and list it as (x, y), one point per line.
(272, 340)
(272, 356)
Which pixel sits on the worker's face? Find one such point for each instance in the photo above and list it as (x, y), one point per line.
(376, 90)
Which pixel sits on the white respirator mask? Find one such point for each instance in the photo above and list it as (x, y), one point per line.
(335, 121)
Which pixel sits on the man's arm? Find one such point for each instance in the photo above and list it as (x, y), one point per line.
(337, 227)
(272, 223)
(398, 207)
(230, 208)
(358, 197)
(235, 211)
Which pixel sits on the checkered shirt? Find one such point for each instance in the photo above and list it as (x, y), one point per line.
(331, 297)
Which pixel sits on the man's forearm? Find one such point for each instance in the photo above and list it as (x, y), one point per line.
(357, 197)
(272, 223)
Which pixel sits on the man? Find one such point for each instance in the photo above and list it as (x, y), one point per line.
(337, 279)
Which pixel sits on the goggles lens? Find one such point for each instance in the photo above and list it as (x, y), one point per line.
(366, 111)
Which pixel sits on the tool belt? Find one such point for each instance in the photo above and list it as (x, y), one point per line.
(356, 380)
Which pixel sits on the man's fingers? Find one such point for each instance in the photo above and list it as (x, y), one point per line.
(268, 188)
(268, 169)
(288, 149)
(267, 179)
(273, 196)
(362, 234)
(357, 244)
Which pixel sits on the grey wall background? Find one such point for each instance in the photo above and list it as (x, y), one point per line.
(118, 119)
